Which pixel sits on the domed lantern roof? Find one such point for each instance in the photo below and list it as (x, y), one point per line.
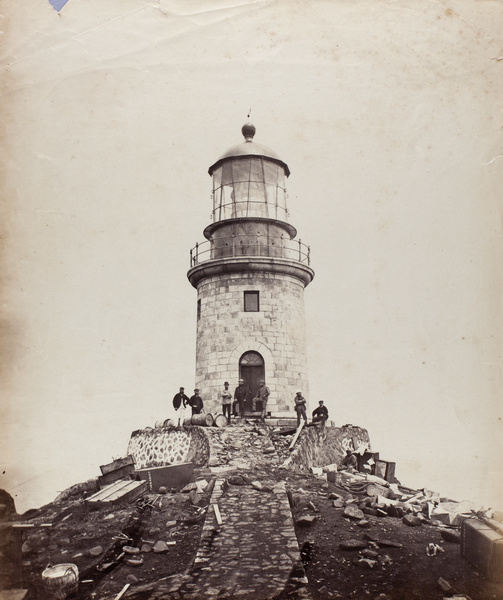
(249, 148)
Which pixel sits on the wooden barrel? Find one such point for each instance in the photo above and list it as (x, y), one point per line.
(164, 423)
(220, 421)
(203, 420)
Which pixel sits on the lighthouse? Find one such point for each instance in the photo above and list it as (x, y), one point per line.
(250, 274)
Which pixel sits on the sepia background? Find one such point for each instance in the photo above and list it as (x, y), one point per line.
(389, 116)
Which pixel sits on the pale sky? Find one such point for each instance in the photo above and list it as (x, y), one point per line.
(389, 116)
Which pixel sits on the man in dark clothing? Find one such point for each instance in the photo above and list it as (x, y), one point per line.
(196, 403)
(349, 463)
(180, 401)
(300, 407)
(239, 399)
(320, 414)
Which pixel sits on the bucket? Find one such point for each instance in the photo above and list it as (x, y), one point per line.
(61, 580)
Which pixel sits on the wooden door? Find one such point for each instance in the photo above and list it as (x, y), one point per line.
(251, 371)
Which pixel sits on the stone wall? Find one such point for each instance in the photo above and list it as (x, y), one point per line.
(168, 446)
(225, 332)
(321, 446)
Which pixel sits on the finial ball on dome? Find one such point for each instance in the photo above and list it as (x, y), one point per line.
(248, 131)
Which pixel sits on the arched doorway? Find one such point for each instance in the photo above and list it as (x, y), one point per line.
(251, 371)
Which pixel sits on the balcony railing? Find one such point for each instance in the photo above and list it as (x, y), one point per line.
(237, 246)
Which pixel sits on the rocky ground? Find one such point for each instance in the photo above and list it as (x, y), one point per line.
(378, 553)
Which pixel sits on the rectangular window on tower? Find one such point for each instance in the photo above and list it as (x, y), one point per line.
(251, 302)
(198, 309)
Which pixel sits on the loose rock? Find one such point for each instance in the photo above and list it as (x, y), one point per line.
(353, 544)
(353, 512)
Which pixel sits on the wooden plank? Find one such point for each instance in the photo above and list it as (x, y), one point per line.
(13, 594)
(120, 491)
(218, 516)
(117, 464)
(295, 437)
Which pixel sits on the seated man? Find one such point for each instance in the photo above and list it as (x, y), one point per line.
(348, 463)
(320, 414)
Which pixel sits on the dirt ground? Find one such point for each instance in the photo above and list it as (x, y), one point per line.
(394, 566)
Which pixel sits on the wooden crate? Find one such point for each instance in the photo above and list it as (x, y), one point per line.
(483, 547)
(170, 476)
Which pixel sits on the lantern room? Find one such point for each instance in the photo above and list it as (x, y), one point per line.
(249, 181)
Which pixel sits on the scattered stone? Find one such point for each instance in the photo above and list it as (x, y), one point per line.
(339, 503)
(306, 520)
(188, 488)
(411, 520)
(386, 560)
(109, 517)
(96, 551)
(236, 480)
(370, 511)
(445, 586)
(130, 550)
(64, 541)
(381, 512)
(134, 561)
(353, 544)
(202, 484)
(257, 485)
(334, 496)
(367, 553)
(162, 490)
(154, 530)
(131, 579)
(312, 506)
(26, 548)
(449, 535)
(366, 562)
(170, 524)
(160, 546)
(145, 548)
(382, 597)
(353, 512)
(364, 524)
(323, 590)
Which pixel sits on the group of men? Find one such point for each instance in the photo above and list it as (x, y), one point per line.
(234, 404)
(320, 414)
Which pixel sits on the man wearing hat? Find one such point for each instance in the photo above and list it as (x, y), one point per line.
(196, 403)
(262, 394)
(300, 407)
(239, 399)
(226, 401)
(180, 401)
(320, 414)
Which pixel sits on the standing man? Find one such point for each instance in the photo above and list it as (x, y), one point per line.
(180, 401)
(320, 414)
(239, 399)
(262, 395)
(300, 407)
(226, 401)
(196, 403)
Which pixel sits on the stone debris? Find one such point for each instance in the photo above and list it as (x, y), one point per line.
(411, 520)
(353, 512)
(451, 535)
(130, 549)
(353, 544)
(305, 520)
(96, 551)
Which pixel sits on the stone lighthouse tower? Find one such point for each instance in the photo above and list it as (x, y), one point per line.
(250, 277)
